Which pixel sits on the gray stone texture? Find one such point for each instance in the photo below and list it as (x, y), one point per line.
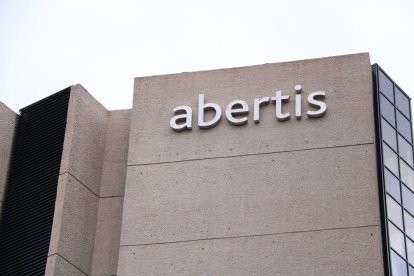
(88, 211)
(349, 119)
(108, 231)
(339, 252)
(298, 197)
(74, 223)
(84, 143)
(251, 195)
(116, 153)
(7, 128)
(56, 265)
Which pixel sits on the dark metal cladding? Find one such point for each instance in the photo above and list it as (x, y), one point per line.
(30, 195)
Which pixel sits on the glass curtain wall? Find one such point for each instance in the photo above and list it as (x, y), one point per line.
(396, 173)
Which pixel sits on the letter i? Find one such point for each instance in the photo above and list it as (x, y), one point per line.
(298, 102)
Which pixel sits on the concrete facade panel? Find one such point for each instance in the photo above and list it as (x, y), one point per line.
(74, 223)
(116, 153)
(346, 80)
(108, 232)
(56, 265)
(7, 128)
(352, 251)
(251, 195)
(84, 144)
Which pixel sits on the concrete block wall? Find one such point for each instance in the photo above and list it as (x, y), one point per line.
(86, 226)
(298, 197)
(108, 229)
(7, 128)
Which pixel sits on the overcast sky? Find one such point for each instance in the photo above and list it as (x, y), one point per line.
(48, 45)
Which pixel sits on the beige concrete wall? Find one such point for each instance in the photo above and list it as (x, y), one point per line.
(88, 210)
(108, 229)
(7, 128)
(77, 201)
(276, 198)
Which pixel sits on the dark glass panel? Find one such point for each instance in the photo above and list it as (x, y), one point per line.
(409, 224)
(392, 185)
(410, 251)
(387, 110)
(386, 86)
(408, 199)
(390, 159)
(389, 134)
(404, 126)
(394, 212)
(398, 265)
(407, 175)
(402, 102)
(396, 239)
(405, 150)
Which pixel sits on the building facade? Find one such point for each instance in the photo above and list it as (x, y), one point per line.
(295, 168)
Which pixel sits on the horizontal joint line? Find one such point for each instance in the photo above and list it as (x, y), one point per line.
(249, 154)
(252, 236)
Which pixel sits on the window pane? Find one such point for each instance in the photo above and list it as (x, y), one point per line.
(388, 134)
(405, 150)
(404, 126)
(409, 224)
(386, 86)
(408, 199)
(392, 185)
(402, 102)
(407, 175)
(396, 239)
(387, 110)
(390, 159)
(411, 271)
(394, 212)
(410, 251)
(398, 265)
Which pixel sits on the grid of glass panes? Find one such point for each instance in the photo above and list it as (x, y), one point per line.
(398, 174)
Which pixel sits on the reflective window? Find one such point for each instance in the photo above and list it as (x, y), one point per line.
(394, 212)
(392, 185)
(410, 251)
(402, 102)
(390, 159)
(409, 224)
(386, 86)
(396, 138)
(404, 126)
(396, 239)
(398, 265)
(389, 134)
(407, 175)
(408, 199)
(387, 110)
(405, 150)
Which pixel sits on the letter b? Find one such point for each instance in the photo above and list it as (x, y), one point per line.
(203, 107)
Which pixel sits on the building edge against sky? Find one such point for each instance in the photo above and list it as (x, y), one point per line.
(97, 192)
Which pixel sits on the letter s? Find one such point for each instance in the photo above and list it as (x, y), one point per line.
(315, 103)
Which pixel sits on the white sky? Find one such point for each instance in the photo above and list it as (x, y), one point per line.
(48, 45)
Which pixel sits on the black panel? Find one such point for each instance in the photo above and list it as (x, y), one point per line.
(30, 195)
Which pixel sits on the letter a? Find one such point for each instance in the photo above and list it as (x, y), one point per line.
(186, 117)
